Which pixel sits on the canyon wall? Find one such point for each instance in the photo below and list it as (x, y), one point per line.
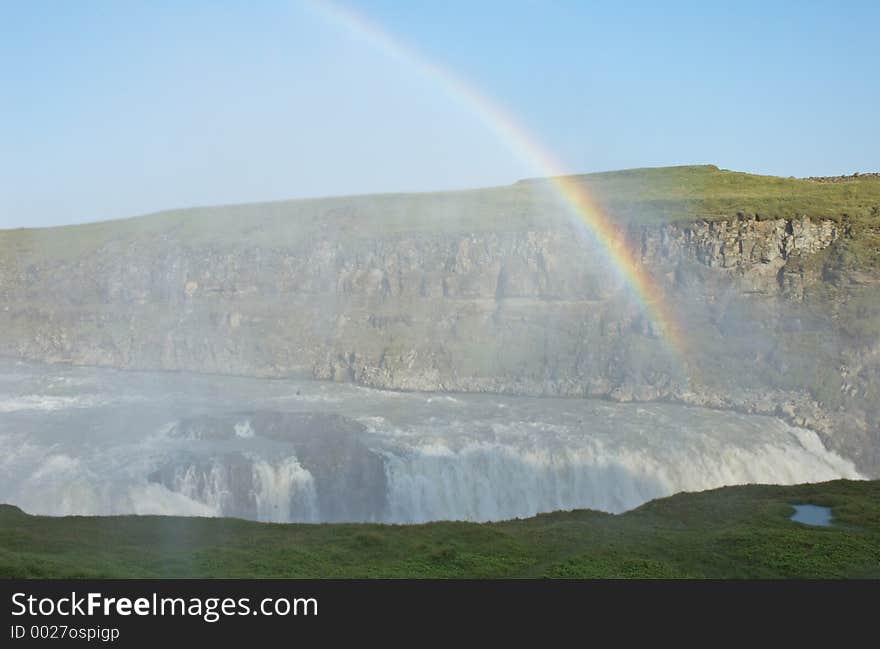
(536, 310)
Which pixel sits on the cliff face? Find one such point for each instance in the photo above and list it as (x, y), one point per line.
(533, 311)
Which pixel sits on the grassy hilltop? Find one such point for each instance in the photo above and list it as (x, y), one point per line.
(645, 196)
(733, 532)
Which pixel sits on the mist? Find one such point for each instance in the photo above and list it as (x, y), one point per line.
(103, 442)
(405, 358)
(428, 339)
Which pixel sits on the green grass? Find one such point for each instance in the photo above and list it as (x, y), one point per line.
(650, 196)
(734, 532)
(667, 194)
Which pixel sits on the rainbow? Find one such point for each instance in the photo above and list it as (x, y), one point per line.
(612, 238)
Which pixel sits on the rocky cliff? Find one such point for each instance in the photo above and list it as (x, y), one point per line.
(775, 322)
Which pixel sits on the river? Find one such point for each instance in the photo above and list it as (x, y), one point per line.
(89, 441)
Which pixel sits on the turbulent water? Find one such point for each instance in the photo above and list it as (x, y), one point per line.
(88, 441)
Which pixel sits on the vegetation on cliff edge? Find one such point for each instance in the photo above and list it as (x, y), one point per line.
(645, 196)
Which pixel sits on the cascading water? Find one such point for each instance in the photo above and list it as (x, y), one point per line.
(285, 492)
(484, 481)
(311, 452)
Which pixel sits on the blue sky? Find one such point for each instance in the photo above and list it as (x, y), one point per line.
(111, 109)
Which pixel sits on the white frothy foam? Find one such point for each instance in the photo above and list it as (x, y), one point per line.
(243, 429)
(47, 402)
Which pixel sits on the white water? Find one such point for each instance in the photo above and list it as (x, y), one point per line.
(283, 488)
(521, 475)
(102, 442)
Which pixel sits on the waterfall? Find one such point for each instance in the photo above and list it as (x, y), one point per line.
(489, 481)
(366, 455)
(285, 492)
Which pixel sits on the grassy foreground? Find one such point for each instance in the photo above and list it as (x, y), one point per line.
(732, 532)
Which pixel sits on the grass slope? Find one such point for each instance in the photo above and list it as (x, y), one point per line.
(655, 195)
(725, 533)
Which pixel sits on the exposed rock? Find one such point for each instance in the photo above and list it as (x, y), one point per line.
(535, 312)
